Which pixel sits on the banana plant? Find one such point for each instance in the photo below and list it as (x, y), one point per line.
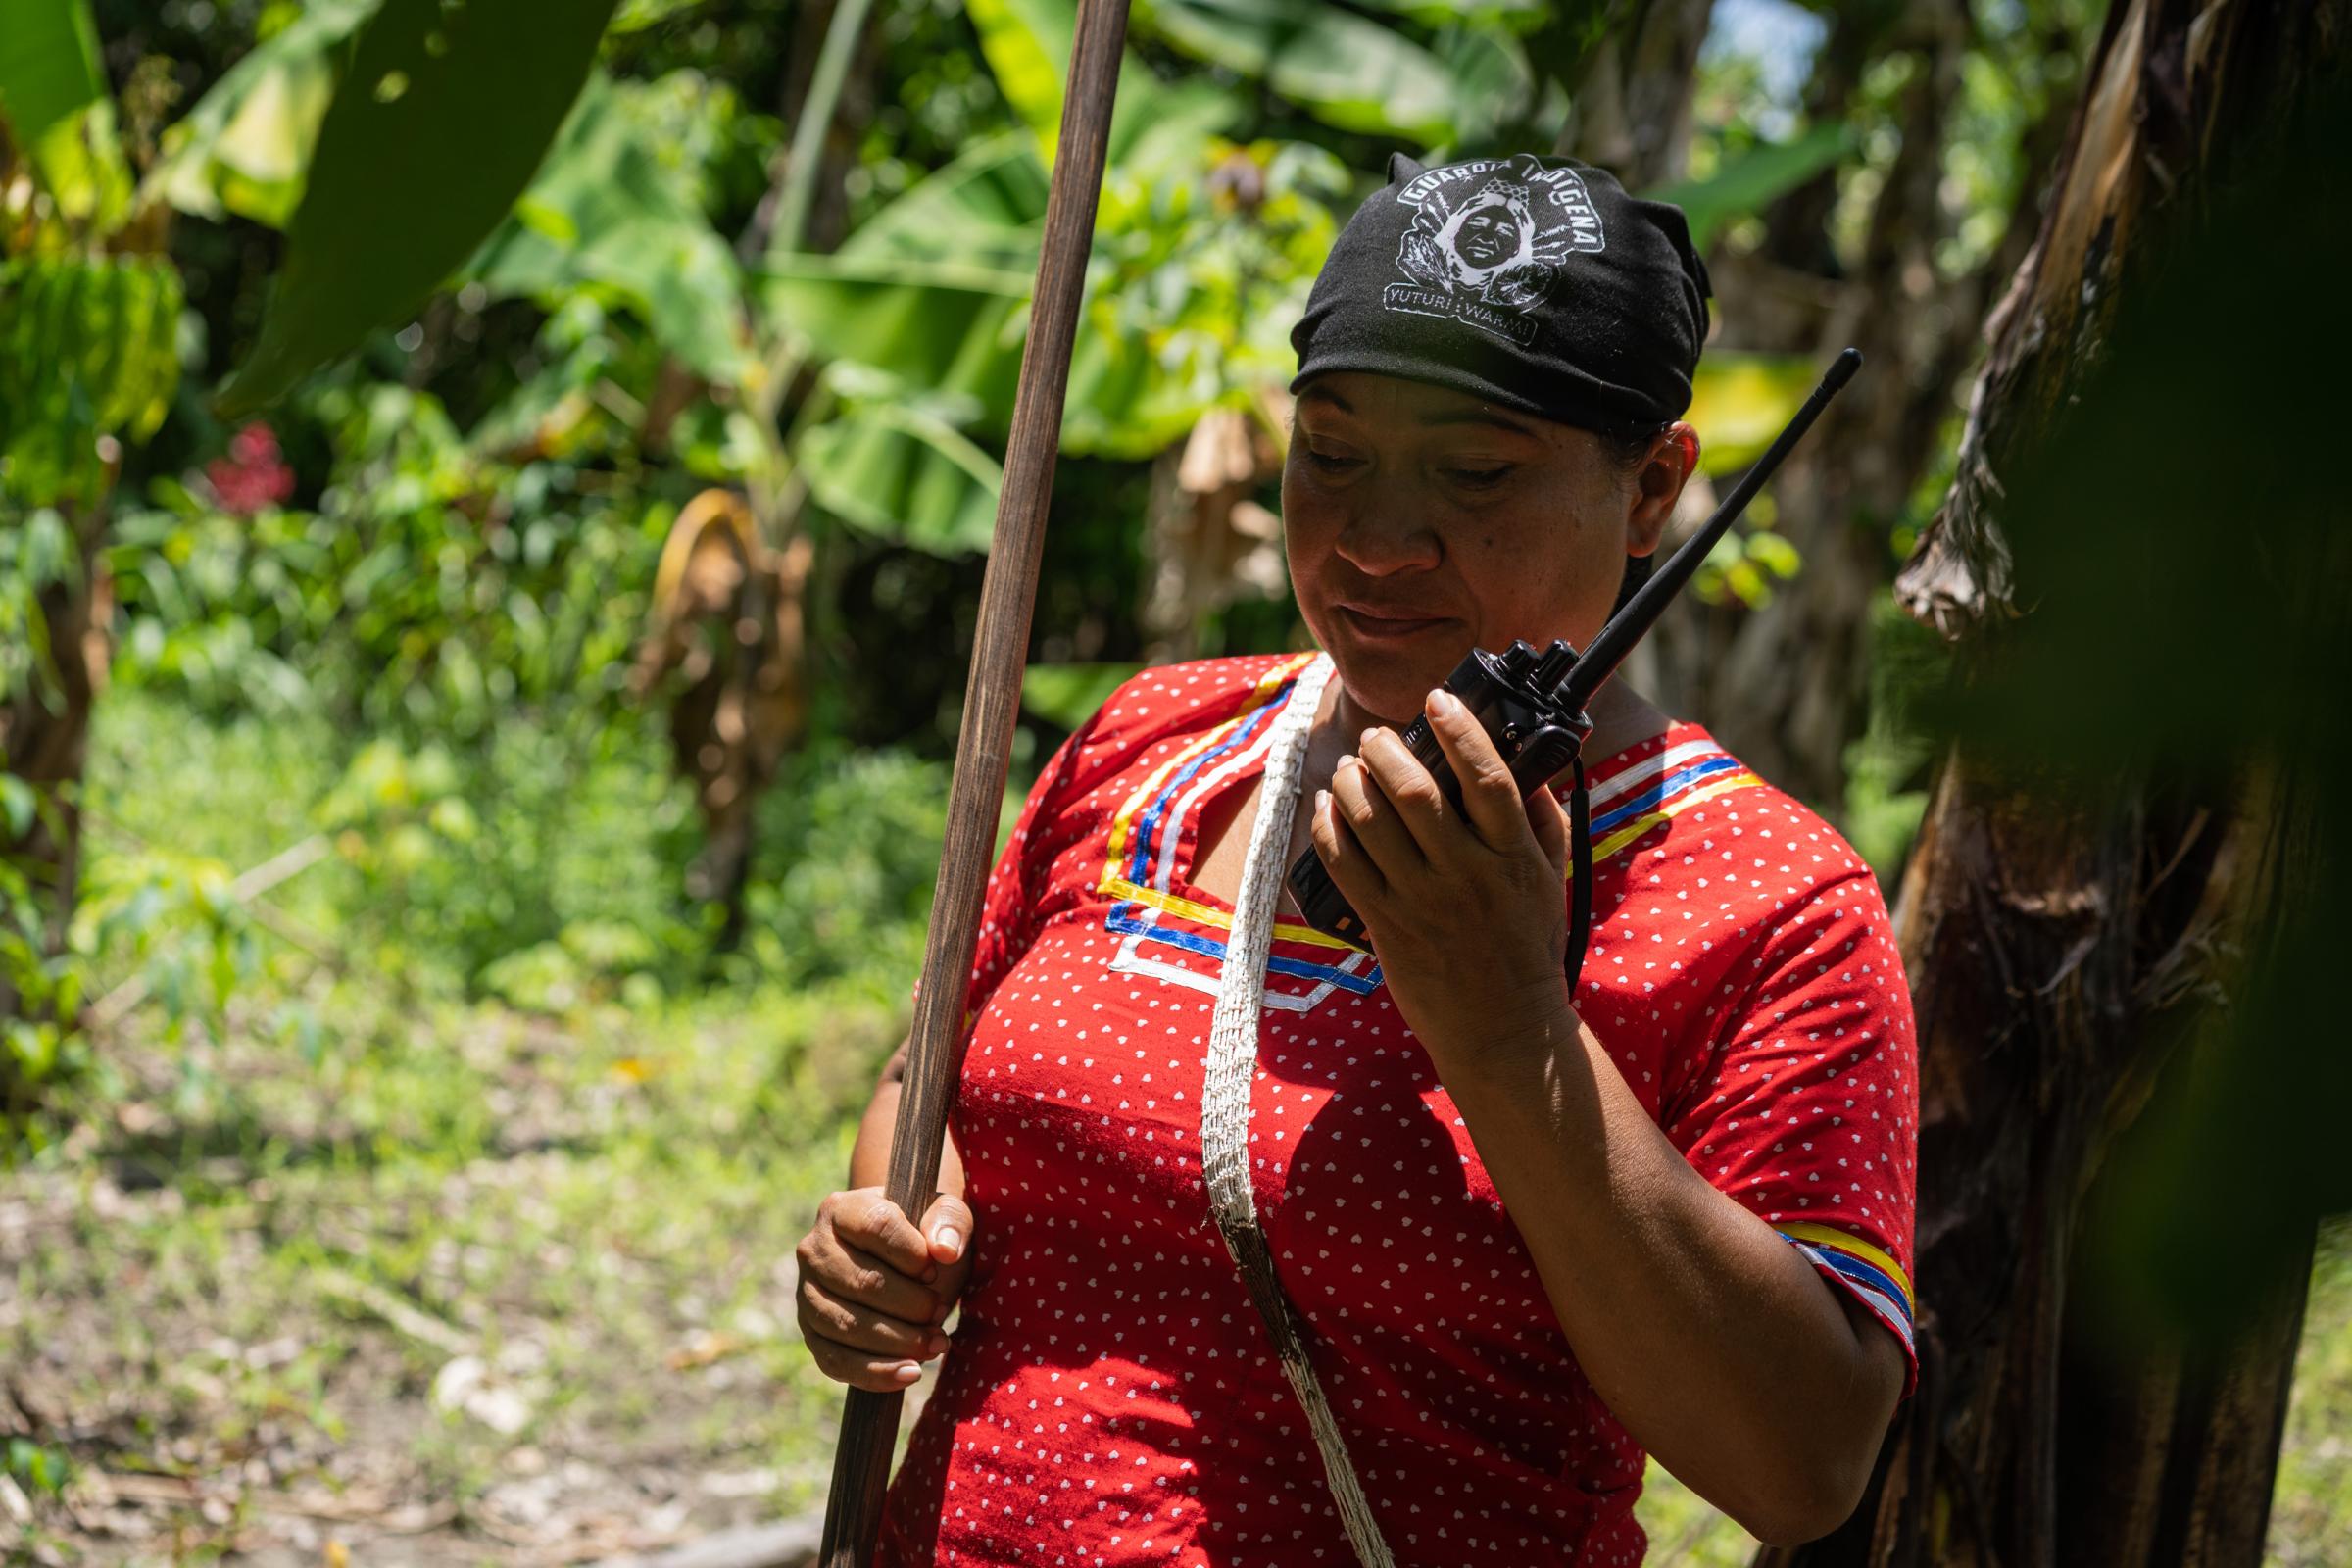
(90, 307)
(424, 122)
(1204, 248)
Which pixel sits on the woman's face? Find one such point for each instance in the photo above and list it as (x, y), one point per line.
(1420, 522)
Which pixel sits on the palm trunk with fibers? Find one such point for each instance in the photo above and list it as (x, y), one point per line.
(992, 700)
(2100, 937)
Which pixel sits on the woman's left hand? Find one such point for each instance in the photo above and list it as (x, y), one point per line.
(1467, 909)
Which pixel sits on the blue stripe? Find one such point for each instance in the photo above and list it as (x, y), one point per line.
(1151, 822)
(1649, 797)
(1363, 985)
(1855, 1269)
(1889, 1308)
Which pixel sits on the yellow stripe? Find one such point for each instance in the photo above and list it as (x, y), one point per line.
(1122, 823)
(1823, 1235)
(1634, 829)
(1121, 888)
(1123, 820)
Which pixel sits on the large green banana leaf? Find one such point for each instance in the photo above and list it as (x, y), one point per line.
(1752, 180)
(605, 213)
(948, 329)
(987, 207)
(1027, 46)
(1515, 15)
(436, 128)
(1344, 69)
(48, 65)
(899, 468)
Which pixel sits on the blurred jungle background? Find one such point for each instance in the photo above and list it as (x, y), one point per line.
(492, 506)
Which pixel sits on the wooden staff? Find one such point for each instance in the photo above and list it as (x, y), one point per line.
(869, 1421)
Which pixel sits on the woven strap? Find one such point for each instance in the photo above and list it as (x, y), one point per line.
(1225, 1098)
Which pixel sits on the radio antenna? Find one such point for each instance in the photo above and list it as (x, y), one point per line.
(1610, 645)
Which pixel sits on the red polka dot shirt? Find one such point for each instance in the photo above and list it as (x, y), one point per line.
(1111, 1398)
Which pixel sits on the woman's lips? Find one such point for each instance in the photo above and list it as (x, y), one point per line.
(1383, 626)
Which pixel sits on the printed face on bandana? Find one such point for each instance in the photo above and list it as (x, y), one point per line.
(1489, 232)
(1488, 249)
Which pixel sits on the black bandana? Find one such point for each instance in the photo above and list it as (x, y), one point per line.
(1535, 283)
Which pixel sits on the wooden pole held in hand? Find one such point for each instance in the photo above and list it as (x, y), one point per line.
(983, 750)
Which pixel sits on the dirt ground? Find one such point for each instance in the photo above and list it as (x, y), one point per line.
(279, 1320)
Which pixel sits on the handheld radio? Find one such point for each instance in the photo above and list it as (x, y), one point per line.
(1532, 704)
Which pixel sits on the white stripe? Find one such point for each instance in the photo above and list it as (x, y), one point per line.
(1171, 827)
(1649, 768)
(1127, 960)
(1876, 1301)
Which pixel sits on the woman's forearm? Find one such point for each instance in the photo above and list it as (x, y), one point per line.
(1711, 1338)
(869, 1156)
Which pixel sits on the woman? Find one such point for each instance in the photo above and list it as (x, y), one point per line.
(1532, 1229)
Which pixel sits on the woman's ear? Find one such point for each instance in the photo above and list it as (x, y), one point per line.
(1672, 458)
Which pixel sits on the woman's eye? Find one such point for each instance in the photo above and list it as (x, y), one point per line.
(1478, 478)
(1329, 462)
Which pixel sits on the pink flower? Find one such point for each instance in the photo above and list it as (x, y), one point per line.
(253, 476)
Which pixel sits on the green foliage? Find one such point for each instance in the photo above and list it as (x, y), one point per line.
(435, 588)
(1027, 43)
(1745, 563)
(157, 923)
(943, 326)
(1068, 694)
(1346, 69)
(849, 858)
(37, 1051)
(1752, 180)
(48, 66)
(245, 148)
(1203, 253)
(1206, 261)
(473, 861)
(40, 1471)
(1740, 402)
(610, 214)
(174, 923)
(899, 468)
(2311, 1511)
(431, 139)
(1887, 766)
(89, 350)
(37, 554)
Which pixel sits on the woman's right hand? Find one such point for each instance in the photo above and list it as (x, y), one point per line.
(874, 1287)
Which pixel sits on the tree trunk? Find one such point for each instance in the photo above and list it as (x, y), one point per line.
(1783, 683)
(2062, 958)
(1632, 109)
(44, 737)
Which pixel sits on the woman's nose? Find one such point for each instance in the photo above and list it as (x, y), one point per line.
(1384, 537)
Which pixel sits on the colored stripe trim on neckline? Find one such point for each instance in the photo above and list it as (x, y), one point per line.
(1157, 789)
